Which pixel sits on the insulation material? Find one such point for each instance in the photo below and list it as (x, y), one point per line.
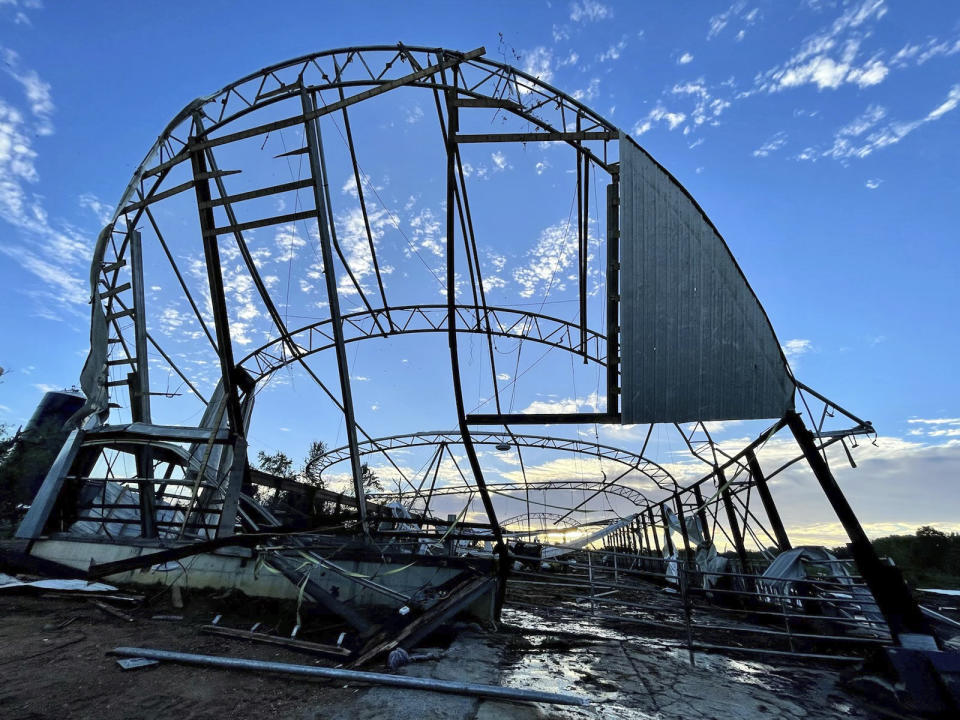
(695, 342)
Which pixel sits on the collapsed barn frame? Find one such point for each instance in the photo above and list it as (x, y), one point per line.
(684, 341)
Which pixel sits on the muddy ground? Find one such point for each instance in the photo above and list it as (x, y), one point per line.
(54, 663)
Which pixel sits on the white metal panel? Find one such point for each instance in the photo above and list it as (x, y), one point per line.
(695, 342)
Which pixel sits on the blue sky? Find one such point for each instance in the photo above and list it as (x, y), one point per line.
(820, 137)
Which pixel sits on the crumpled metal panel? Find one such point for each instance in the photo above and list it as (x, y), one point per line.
(695, 342)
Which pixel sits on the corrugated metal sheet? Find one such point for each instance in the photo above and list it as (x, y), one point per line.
(695, 342)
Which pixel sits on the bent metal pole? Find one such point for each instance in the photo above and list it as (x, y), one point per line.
(446, 686)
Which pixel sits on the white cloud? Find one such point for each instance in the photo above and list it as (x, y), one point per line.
(720, 21)
(854, 141)
(772, 145)
(414, 115)
(591, 403)
(613, 52)
(589, 11)
(828, 58)
(56, 255)
(591, 91)
(537, 63)
(794, 349)
(659, 114)
(873, 183)
(922, 54)
(707, 108)
(499, 161)
(36, 90)
(685, 58)
(555, 251)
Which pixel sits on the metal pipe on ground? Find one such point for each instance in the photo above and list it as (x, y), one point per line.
(445, 686)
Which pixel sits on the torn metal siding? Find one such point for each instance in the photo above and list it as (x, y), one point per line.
(695, 342)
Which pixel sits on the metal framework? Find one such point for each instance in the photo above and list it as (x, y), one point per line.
(190, 480)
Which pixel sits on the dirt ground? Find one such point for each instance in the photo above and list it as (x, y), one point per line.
(54, 663)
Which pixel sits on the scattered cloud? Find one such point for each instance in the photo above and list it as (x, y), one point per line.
(685, 58)
(591, 403)
(863, 136)
(613, 52)
(36, 90)
(920, 54)
(873, 183)
(20, 8)
(737, 11)
(547, 261)
(589, 11)
(829, 58)
(659, 114)
(56, 254)
(794, 349)
(413, 115)
(772, 145)
(537, 63)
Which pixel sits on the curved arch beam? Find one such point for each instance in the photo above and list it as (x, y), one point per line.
(553, 517)
(653, 471)
(378, 68)
(407, 319)
(636, 497)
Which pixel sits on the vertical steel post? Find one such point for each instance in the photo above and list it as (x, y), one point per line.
(732, 520)
(769, 506)
(893, 597)
(140, 388)
(453, 127)
(653, 530)
(688, 555)
(613, 295)
(326, 229)
(211, 252)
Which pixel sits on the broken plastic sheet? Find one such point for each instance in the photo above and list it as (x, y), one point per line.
(8, 581)
(551, 551)
(109, 520)
(706, 557)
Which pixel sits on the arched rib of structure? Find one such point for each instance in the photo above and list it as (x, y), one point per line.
(654, 472)
(409, 319)
(356, 74)
(636, 497)
(552, 517)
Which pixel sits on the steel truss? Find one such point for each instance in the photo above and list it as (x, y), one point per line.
(408, 319)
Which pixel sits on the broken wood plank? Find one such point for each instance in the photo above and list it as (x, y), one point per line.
(110, 610)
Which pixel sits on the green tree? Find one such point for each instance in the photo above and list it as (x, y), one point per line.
(276, 464)
(311, 473)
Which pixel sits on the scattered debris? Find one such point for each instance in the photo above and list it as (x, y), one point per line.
(110, 610)
(136, 663)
